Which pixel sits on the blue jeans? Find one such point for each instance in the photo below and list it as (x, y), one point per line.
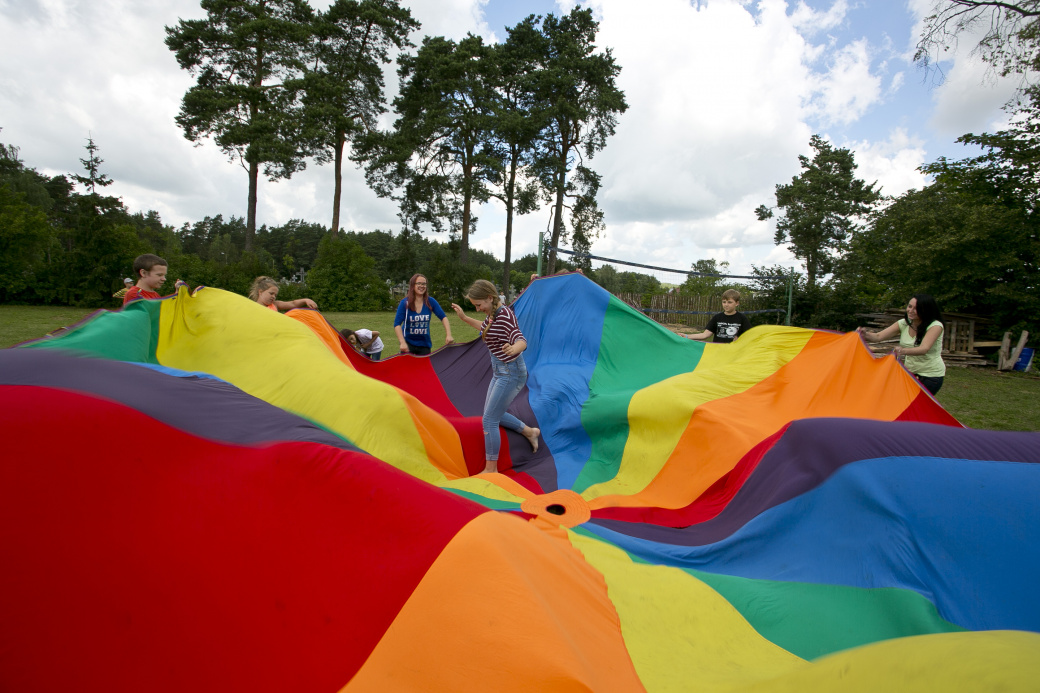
(507, 380)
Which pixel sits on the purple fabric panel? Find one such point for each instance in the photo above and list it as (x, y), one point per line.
(813, 449)
(204, 407)
(464, 372)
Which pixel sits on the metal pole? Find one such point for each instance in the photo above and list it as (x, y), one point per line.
(790, 295)
(541, 234)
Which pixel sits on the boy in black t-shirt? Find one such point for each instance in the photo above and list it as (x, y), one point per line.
(727, 325)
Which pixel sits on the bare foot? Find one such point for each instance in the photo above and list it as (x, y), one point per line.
(490, 467)
(532, 433)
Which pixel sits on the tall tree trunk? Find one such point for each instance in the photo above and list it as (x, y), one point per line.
(467, 202)
(510, 189)
(557, 223)
(338, 173)
(254, 162)
(254, 174)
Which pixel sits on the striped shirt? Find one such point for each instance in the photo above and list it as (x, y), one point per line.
(503, 330)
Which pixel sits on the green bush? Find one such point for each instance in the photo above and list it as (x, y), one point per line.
(343, 278)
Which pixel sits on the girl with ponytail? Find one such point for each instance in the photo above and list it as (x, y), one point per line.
(506, 344)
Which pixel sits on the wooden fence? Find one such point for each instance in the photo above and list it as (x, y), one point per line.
(689, 310)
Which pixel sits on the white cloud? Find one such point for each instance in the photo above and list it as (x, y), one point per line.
(968, 96)
(969, 100)
(810, 22)
(892, 163)
(848, 89)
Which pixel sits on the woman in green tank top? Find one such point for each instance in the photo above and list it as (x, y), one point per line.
(920, 340)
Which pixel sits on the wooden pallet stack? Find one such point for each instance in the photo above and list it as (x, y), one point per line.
(960, 348)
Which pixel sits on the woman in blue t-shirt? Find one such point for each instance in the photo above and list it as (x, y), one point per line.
(412, 322)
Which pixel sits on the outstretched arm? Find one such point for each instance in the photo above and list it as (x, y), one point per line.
(887, 333)
(700, 336)
(475, 324)
(298, 303)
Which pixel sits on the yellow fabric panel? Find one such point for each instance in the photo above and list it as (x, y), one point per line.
(217, 332)
(440, 439)
(507, 606)
(833, 375)
(681, 634)
(948, 662)
(659, 415)
(491, 486)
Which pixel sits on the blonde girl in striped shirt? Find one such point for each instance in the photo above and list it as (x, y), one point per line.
(506, 344)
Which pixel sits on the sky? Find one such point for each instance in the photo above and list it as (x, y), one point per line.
(723, 97)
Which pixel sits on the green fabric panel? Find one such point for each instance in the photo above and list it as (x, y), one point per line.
(491, 503)
(812, 620)
(131, 334)
(634, 353)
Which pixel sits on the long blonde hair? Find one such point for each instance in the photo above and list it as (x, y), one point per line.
(260, 284)
(481, 290)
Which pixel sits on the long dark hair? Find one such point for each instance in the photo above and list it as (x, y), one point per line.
(927, 312)
(411, 291)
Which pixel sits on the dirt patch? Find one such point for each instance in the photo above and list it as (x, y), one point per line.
(679, 329)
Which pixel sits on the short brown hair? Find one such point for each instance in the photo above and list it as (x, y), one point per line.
(146, 262)
(731, 293)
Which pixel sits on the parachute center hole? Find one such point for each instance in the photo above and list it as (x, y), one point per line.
(555, 509)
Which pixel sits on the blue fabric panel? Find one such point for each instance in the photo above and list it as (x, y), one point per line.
(561, 362)
(952, 530)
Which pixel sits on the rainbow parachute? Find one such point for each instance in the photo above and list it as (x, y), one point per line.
(201, 494)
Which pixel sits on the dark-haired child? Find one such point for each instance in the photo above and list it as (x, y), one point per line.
(150, 271)
(365, 341)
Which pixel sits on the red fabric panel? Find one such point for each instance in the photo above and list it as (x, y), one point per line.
(413, 374)
(925, 409)
(522, 478)
(137, 557)
(416, 376)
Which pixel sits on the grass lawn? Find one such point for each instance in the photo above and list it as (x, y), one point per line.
(22, 323)
(979, 398)
(988, 398)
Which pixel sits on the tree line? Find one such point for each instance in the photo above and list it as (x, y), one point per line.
(970, 238)
(278, 83)
(60, 245)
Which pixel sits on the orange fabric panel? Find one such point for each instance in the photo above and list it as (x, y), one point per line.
(529, 614)
(823, 380)
(324, 331)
